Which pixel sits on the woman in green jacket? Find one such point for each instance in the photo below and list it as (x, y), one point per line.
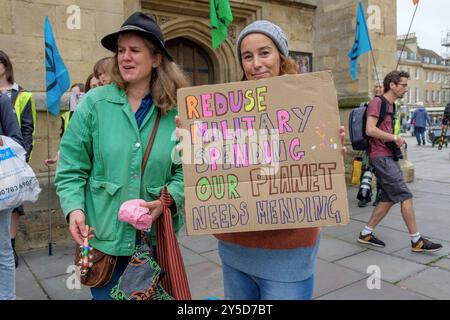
(102, 150)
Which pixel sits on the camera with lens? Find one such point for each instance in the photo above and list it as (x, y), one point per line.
(365, 188)
(396, 152)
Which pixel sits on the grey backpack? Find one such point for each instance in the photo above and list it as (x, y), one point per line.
(357, 124)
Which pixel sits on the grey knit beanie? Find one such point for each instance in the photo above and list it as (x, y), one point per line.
(269, 29)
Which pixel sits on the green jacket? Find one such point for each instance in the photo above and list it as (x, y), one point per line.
(100, 166)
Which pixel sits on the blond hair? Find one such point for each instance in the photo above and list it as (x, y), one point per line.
(164, 81)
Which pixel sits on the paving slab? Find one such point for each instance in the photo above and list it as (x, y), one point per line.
(27, 288)
(431, 215)
(442, 263)
(199, 244)
(435, 187)
(423, 257)
(355, 211)
(392, 269)
(213, 256)
(330, 277)
(360, 291)
(351, 227)
(433, 282)
(392, 220)
(45, 266)
(395, 240)
(182, 232)
(63, 288)
(332, 249)
(434, 230)
(190, 257)
(205, 280)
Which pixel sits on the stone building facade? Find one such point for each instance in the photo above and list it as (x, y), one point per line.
(321, 30)
(430, 74)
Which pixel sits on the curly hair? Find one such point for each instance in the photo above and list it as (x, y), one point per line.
(394, 76)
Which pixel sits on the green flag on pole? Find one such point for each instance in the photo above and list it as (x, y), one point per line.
(221, 17)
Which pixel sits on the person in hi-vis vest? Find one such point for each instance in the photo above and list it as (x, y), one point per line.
(76, 93)
(25, 109)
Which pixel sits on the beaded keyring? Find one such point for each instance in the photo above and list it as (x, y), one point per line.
(85, 256)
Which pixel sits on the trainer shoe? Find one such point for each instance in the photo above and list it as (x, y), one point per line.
(425, 245)
(371, 239)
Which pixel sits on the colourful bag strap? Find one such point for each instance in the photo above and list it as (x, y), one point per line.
(169, 256)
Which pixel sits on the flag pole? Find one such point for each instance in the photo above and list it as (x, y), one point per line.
(375, 66)
(406, 38)
(50, 224)
(57, 82)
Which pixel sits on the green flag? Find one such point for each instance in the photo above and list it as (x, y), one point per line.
(221, 17)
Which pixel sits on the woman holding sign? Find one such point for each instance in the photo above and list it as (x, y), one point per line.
(276, 264)
(102, 150)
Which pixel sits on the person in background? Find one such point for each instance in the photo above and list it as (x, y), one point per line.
(9, 127)
(91, 83)
(76, 93)
(421, 119)
(102, 70)
(25, 109)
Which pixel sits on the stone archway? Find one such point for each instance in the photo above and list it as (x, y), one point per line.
(193, 59)
(225, 65)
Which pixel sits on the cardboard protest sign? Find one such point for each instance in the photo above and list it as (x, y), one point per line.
(262, 155)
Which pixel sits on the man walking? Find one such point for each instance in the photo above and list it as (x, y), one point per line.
(387, 169)
(421, 118)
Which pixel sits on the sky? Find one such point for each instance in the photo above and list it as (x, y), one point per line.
(431, 20)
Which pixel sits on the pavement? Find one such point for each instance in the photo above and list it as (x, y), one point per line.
(345, 268)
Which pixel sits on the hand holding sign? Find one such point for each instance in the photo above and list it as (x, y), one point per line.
(262, 155)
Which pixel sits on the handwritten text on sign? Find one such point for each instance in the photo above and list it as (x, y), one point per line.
(261, 155)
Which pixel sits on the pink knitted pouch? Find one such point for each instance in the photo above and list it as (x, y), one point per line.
(130, 211)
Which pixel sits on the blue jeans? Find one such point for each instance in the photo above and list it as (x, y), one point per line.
(242, 286)
(102, 293)
(7, 266)
(420, 134)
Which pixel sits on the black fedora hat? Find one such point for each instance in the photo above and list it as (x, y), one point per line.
(140, 23)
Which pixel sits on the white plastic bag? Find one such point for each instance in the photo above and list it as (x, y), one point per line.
(18, 182)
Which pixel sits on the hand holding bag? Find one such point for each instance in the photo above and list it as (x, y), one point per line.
(18, 182)
(100, 270)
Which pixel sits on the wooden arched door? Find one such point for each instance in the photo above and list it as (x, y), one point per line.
(194, 60)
